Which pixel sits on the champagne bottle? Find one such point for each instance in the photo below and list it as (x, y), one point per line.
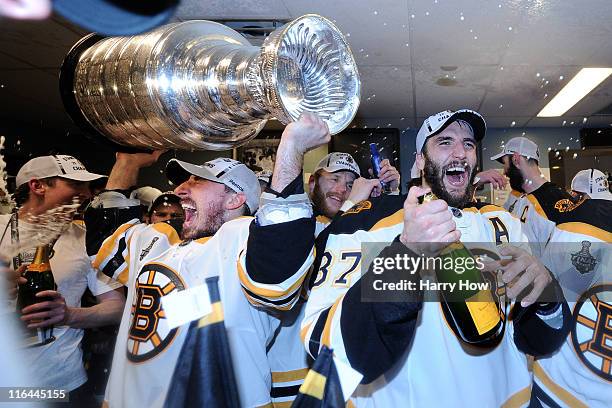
(470, 306)
(39, 277)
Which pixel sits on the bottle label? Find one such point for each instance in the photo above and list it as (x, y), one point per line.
(483, 311)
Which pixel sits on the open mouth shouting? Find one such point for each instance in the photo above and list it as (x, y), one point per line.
(457, 174)
(190, 211)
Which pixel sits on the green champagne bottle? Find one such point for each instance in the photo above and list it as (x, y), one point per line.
(39, 277)
(470, 307)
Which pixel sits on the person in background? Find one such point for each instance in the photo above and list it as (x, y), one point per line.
(534, 198)
(336, 185)
(145, 195)
(44, 184)
(591, 183)
(166, 207)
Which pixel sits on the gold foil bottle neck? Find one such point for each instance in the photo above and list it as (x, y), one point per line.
(429, 197)
(41, 259)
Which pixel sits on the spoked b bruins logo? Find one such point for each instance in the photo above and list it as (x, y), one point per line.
(592, 331)
(149, 334)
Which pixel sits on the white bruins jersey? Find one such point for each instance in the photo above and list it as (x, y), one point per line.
(580, 255)
(538, 212)
(151, 262)
(288, 360)
(438, 370)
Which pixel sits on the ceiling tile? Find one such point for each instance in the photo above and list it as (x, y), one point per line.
(471, 83)
(385, 92)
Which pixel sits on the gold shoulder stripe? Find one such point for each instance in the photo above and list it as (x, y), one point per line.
(323, 219)
(286, 376)
(202, 240)
(168, 231)
(559, 392)
(519, 399)
(314, 385)
(267, 293)
(304, 332)
(536, 205)
(586, 229)
(515, 193)
(326, 335)
(491, 208)
(394, 219)
(109, 244)
(470, 209)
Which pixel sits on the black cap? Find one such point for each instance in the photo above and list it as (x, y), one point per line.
(167, 197)
(117, 17)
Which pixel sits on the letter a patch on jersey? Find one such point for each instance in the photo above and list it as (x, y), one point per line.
(149, 333)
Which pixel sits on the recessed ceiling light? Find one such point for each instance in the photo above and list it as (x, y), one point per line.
(576, 89)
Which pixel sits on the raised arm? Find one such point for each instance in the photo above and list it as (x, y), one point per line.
(279, 251)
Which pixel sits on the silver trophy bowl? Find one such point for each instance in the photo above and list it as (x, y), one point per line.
(199, 85)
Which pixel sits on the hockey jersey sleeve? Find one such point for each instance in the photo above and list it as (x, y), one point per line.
(540, 211)
(133, 239)
(113, 257)
(280, 248)
(113, 235)
(370, 336)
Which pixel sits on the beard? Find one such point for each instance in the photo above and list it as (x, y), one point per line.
(318, 200)
(516, 178)
(213, 219)
(434, 176)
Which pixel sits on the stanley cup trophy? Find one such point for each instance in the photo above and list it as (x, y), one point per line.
(199, 85)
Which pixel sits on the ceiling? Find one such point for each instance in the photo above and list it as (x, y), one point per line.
(504, 58)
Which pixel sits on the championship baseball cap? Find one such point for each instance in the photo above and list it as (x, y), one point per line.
(440, 121)
(337, 161)
(520, 145)
(117, 17)
(592, 182)
(59, 165)
(232, 173)
(146, 195)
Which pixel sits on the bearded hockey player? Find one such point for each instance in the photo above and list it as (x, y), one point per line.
(408, 350)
